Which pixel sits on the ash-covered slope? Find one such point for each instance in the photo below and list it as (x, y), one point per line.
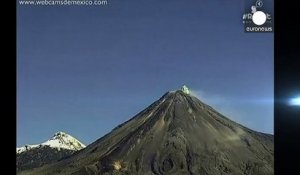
(57, 147)
(178, 134)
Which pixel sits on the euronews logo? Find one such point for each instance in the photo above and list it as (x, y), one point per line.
(258, 20)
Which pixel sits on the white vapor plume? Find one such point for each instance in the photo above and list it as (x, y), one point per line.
(254, 113)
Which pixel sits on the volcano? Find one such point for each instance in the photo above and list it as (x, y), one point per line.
(176, 135)
(60, 145)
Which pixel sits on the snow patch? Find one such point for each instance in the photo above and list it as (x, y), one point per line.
(60, 140)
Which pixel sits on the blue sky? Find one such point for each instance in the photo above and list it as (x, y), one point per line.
(84, 70)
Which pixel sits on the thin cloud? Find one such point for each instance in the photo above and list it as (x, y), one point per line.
(254, 113)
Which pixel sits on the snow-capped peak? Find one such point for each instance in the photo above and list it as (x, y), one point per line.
(60, 140)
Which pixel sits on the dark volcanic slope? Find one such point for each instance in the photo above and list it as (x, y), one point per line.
(178, 134)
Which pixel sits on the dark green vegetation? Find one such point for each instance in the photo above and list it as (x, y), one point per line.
(176, 135)
(40, 156)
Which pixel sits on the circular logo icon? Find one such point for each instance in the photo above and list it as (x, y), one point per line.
(259, 3)
(259, 18)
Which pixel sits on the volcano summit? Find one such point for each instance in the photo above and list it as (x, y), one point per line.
(176, 135)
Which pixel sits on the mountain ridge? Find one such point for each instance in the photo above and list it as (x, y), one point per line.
(177, 134)
(58, 140)
(59, 146)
